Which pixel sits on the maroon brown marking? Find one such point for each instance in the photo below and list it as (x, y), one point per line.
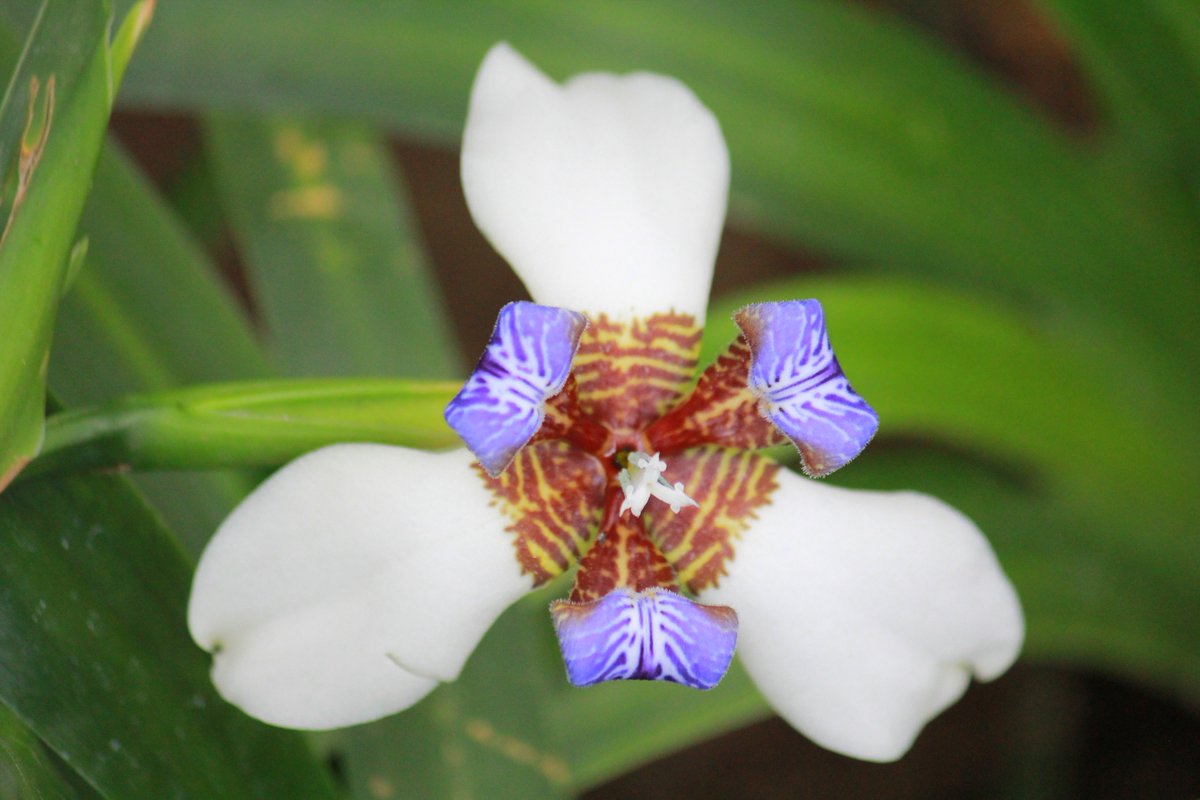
(629, 373)
(563, 486)
(721, 410)
(565, 420)
(623, 556)
(552, 493)
(730, 486)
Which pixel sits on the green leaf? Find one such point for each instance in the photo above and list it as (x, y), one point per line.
(1146, 67)
(245, 425)
(26, 770)
(147, 313)
(848, 132)
(95, 658)
(136, 19)
(336, 270)
(51, 124)
(125, 715)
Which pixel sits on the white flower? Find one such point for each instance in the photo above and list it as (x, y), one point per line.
(360, 576)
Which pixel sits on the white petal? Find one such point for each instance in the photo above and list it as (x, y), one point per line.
(351, 582)
(863, 614)
(606, 194)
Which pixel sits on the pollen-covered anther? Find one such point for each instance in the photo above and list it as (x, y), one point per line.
(642, 479)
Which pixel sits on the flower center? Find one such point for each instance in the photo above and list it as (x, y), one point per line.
(642, 478)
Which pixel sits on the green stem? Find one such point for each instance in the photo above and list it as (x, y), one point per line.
(261, 423)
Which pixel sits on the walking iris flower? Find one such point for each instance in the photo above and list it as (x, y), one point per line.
(357, 578)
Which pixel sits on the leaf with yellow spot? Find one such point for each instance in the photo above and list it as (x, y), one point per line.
(331, 253)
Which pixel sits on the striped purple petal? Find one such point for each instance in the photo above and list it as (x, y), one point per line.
(526, 362)
(800, 385)
(654, 635)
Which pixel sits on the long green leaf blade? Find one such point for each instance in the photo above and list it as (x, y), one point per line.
(147, 313)
(940, 363)
(26, 771)
(1145, 63)
(337, 273)
(95, 657)
(51, 125)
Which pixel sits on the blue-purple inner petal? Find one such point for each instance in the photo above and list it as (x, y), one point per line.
(526, 362)
(651, 635)
(801, 387)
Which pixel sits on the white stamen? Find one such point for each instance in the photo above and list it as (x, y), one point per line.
(642, 479)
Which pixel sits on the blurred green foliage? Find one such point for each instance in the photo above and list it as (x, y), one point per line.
(1022, 305)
